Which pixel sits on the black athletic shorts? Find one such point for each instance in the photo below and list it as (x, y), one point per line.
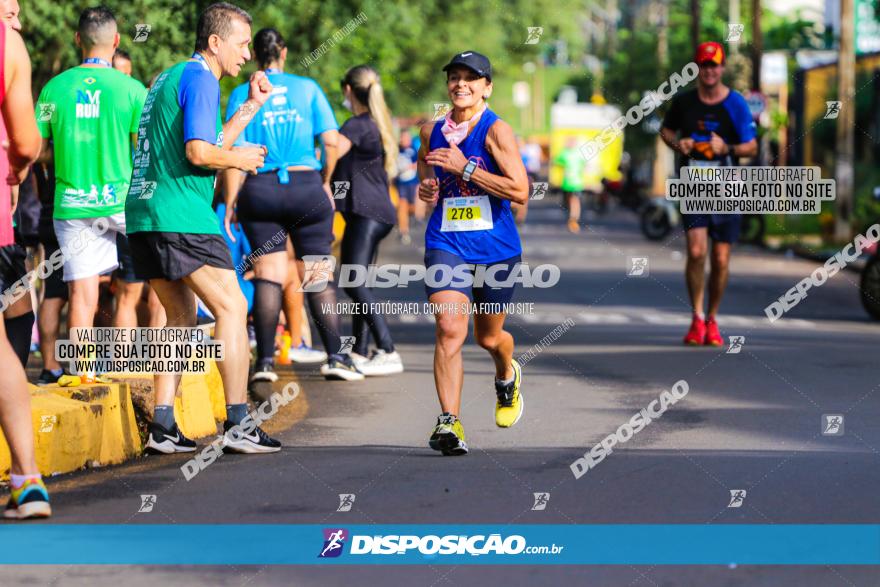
(53, 285)
(46, 230)
(174, 255)
(723, 228)
(12, 267)
(125, 271)
(269, 211)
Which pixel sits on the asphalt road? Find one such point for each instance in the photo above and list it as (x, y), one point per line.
(752, 421)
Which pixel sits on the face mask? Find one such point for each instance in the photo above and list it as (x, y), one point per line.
(453, 132)
(347, 104)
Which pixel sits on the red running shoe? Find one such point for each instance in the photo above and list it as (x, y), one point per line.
(713, 337)
(697, 334)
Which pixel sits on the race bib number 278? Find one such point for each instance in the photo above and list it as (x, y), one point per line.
(471, 213)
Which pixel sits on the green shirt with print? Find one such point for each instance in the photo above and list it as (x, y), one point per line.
(168, 193)
(89, 114)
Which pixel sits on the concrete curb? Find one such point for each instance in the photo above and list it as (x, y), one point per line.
(95, 425)
(199, 405)
(90, 425)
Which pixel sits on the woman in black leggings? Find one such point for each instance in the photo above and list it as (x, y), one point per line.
(368, 158)
(288, 197)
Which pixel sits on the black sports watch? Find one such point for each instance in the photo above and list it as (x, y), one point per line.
(469, 170)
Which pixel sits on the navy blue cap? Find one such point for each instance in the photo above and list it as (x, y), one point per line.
(476, 62)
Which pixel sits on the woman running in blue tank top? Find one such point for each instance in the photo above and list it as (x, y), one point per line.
(470, 168)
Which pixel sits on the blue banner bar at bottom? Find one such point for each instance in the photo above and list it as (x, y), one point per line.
(629, 544)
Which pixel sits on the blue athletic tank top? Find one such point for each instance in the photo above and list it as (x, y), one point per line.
(474, 246)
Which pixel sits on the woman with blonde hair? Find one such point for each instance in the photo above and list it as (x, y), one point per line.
(368, 160)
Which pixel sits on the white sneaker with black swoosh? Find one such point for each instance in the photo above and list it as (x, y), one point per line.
(163, 441)
(254, 442)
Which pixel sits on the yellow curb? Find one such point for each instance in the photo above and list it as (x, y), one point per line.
(119, 435)
(287, 417)
(193, 407)
(199, 404)
(67, 432)
(215, 392)
(95, 424)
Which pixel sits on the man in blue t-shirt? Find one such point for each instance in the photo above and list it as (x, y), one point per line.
(710, 125)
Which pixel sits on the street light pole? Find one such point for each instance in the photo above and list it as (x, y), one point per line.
(695, 24)
(611, 8)
(662, 12)
(757, 45)
(844, 160)
(663, 159)
(733, 14)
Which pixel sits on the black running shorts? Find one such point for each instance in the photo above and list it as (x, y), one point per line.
(174, 255)
(12, 267)
(125, 271)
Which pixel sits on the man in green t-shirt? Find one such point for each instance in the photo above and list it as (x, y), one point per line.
(90, 114)
(573, 166)
(173, 231)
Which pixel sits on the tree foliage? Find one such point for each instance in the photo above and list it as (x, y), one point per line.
(407, 41)
(49, 27)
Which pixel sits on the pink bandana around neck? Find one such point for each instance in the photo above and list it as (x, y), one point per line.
(453, 132)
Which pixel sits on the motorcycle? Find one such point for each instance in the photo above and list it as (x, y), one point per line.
(869, 284)
(657, 218)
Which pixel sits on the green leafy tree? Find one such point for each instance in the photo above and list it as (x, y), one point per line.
(406, 41)
(49, 27)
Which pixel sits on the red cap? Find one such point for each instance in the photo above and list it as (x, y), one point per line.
(710, 51)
